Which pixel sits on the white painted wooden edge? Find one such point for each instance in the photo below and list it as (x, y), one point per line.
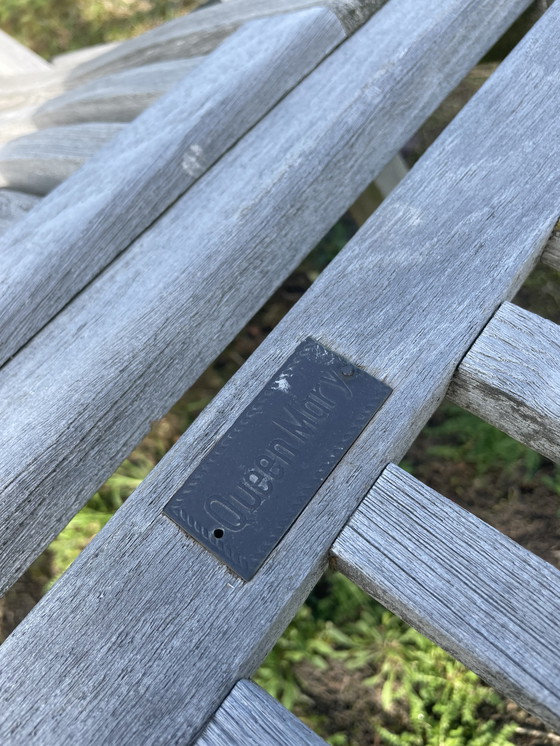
(13, 206)
(200, 32)
(551, 253)
(143, 595)
(251, 717)
(40, 161)
(490, 603)
(155, 159)
(17, 58)
(511, 378)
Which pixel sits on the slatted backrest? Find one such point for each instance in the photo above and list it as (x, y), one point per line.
(404, 301)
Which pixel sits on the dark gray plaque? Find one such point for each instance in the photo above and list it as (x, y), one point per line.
(244, 496)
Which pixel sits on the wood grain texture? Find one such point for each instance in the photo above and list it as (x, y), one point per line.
(200, 32)
(189, 36)
(155, 295)
(490, 603)
(116, 98)
(406, 317)
(551, 253)
(251, 717)
(40, 161)
(182, 38)
(77, 231)
(67, 60)
(13, 206)
(17, 58)
(511, 378)
(113, 98)
(32, 89)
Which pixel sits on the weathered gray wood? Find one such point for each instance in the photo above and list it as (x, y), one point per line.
(251, 717)
(40, 161)
(13, 206)
(182, 38)
(17, 58)
(246, 227)
(32, 89)
(174, 40)
(199, 33)
(16, 122)
(492, 604)
(511, 378)
(551, 253)
(114, 98)
(69, 239)
(67, 60)
(185, 37)
(167, 605)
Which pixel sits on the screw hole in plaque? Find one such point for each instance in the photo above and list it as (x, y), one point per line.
(219, 533)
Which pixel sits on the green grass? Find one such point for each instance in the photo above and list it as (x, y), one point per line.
(414, 692)
(460, 437)
(50, 27)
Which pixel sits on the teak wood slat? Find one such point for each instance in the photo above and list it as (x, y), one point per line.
(13, 206)
(551, 253)
(77, 231)
(76, 400)
(201, 32)
(492, 604)
(511, 378)
(186, 37)
(68, 60)
(143, 596)
(251, 717)
(113, 98)
(38, 162)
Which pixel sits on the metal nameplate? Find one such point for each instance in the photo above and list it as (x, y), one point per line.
(247, 492)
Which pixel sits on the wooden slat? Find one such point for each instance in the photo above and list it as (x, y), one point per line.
(251, 717)
(551, 253)
(68, 60)
(113, 98)
(13, 206)
(201, 32)
(32, 89)
(116, 98)
(490, 603)
(40, 161)
(169, 606)
(146, 168)
(511, 378)
(157, 295)
(17, 58)
(185, 37)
